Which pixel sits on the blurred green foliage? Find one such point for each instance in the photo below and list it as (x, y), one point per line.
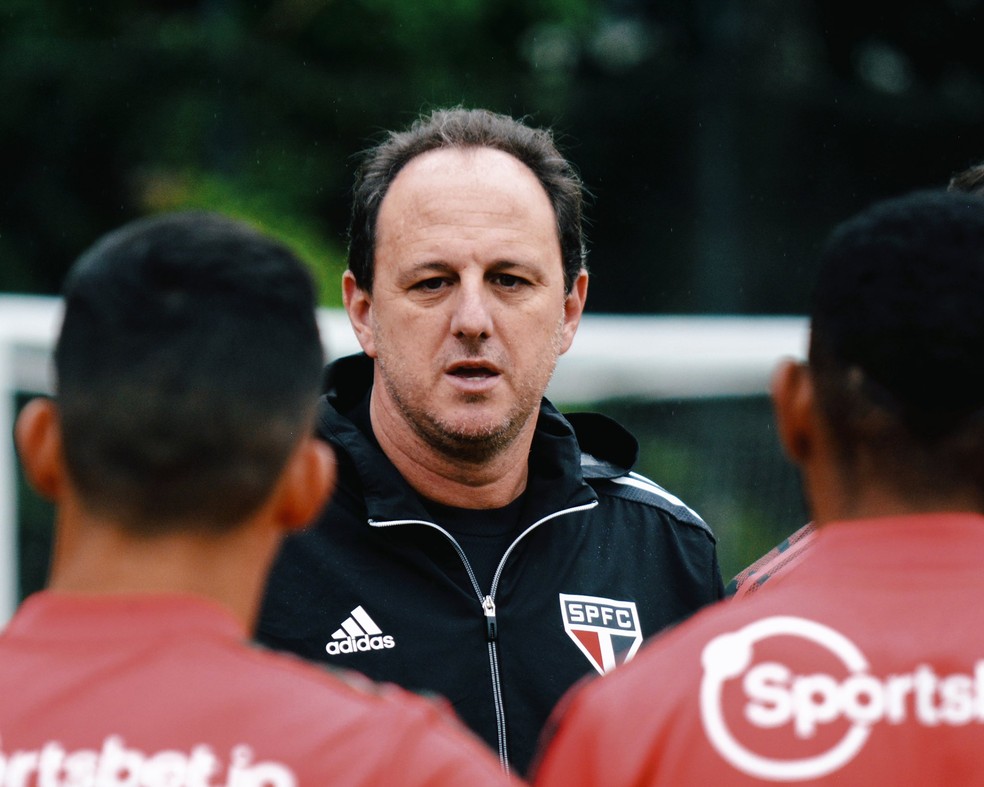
(252, 109)
(720, 139)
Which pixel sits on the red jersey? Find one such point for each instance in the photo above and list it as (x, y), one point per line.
(161, 691)
(865, 665)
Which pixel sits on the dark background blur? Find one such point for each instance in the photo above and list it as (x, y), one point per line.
(721, 140)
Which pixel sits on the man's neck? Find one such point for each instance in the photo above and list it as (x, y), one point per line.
(492, 482)
(863, 492)
(97, 557)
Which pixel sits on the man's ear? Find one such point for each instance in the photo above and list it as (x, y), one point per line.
(37, 435)
(358, 305)
(793, 405)
(574, 308)
(306, 484)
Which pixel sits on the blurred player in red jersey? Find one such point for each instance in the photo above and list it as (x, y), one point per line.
(179, 450)
(865, 664)
(789, 552)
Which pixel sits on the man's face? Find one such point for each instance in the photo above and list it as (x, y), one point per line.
(467, 314)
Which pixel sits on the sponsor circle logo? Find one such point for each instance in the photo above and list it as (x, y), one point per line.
(831, 711)
(358, 634)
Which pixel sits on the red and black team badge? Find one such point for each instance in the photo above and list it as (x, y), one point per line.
(607, 631)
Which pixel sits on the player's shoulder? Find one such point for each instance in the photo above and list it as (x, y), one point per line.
(297, 686)
(301, 682)
(668, 663)
(419, 739)
(637, 488)
(608, 454)
(680, 650)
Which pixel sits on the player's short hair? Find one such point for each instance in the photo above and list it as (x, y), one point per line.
(897, 341)
(466, 128)
(187, 369)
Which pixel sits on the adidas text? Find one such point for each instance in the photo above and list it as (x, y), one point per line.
(359, 644)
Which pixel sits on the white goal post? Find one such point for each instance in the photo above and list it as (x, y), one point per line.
(613, 357)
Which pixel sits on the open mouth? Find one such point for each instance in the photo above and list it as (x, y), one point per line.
(469, 372)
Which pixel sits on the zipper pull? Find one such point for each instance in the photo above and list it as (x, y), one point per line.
(491, 628)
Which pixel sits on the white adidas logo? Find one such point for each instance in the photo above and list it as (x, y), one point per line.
(358, 633)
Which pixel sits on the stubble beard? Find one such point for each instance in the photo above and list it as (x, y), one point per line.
(461, 440)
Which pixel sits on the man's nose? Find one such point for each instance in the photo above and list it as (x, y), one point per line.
(472, 317)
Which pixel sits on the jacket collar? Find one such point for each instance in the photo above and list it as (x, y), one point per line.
(565, 451)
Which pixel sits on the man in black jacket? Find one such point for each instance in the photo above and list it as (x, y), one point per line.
(480, 545)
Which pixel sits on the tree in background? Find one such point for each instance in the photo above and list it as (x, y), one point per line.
(115, 109)
(721, 139)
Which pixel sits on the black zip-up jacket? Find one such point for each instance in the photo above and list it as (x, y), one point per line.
(603, 559)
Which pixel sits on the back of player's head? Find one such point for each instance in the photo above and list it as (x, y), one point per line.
(187, 369)
(897, 343)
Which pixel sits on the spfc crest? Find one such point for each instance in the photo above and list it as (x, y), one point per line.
(607, 631)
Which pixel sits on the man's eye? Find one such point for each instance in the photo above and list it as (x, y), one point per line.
(430, 284)
(507, 280)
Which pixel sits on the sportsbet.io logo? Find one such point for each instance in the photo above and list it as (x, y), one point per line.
(773, 722)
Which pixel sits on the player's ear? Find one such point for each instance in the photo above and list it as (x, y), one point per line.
(306, 484)
(358, 305)
(793, 407)
(574, 308)
(37, 435)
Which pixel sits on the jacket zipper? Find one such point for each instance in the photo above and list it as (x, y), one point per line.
(488, 607)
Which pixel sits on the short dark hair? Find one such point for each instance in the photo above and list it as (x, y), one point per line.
(187, 369)
(970, 180)
(466, 128)
(897, 338)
